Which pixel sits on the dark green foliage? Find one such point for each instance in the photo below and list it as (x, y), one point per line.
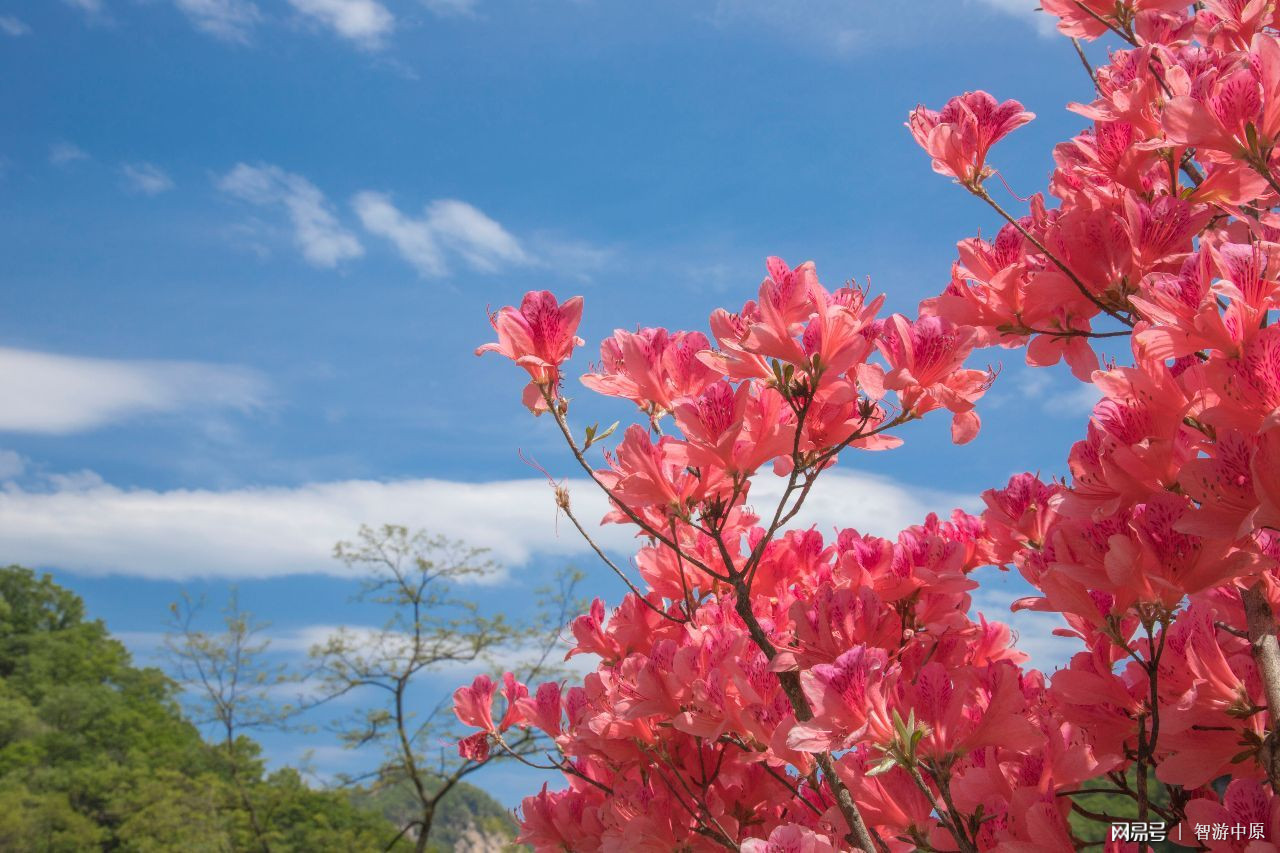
(95, 753)
(1123, 808)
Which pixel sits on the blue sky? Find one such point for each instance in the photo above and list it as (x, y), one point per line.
(249, 245)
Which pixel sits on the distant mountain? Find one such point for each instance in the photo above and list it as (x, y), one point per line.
(469, 820)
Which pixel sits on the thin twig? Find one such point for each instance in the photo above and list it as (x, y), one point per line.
(1084, 60)
(980, 192)
(564, 505)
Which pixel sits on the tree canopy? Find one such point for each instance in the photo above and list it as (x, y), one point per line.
(96, 753)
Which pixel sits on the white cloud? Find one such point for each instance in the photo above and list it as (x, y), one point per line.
(64, 153)
(482, 242)
(12, 26)
(447, 225)
(366, 22)
(322, 239)
(95, 528)
(1026, 10)
(47, 393)
(1033, 630)
(146, 178)
(230, 20)
(370, 640)
(866, 502)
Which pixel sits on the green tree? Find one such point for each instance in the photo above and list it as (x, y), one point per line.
(96, 754)
(228, 681)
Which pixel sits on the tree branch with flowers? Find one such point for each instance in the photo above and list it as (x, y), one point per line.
(765, 688)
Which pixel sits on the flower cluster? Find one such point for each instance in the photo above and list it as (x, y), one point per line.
(767, 688)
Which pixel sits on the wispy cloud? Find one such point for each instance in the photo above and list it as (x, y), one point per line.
(65, 153)
(1026, 10)
(11, 26)
(365, 22)
(1078, 400)
(448, 8)
(146, 178)
(323, 240)
(229, 20)
(834, 26)
(1054, 390)
(48, 393)
(447, 227)
(92, 527)
(92, 7)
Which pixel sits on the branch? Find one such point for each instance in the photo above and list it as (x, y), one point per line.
(1130, 39)
(564, 505)
(553, 406)
(1084, 60)
(982, 193)
(1266, 652)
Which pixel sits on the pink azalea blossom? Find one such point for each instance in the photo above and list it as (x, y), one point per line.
(539, 336)
(959, 136)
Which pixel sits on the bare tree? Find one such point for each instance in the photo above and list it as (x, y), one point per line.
(429, 626)
(229, 683)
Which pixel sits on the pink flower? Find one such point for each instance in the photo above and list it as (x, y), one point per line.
(544, 710)
(735, 430)
(839, 694)
(644, 474)
(539, 336)
(1266, 476)
(1088, 18)
(959, 136)
(515, 693)
(789, 839)
(474, 704)
(475, 747)
(925, 358)
(1233, 110)
(1018, 515)
(652, 368)
(1246, 802)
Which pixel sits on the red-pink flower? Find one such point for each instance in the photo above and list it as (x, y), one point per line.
(1265, 468)
(1233, 109)
(1089, 18)
(839, 692)
(959, 136)
(925, 359)
(652, 367)
(544, 710)
(474, 747)
(734, 430)
(1246, 803)
(789, 839)
(474, 704)
(539, 336)
(1156, 239)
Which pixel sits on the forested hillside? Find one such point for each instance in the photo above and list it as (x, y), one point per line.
(96, 753)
